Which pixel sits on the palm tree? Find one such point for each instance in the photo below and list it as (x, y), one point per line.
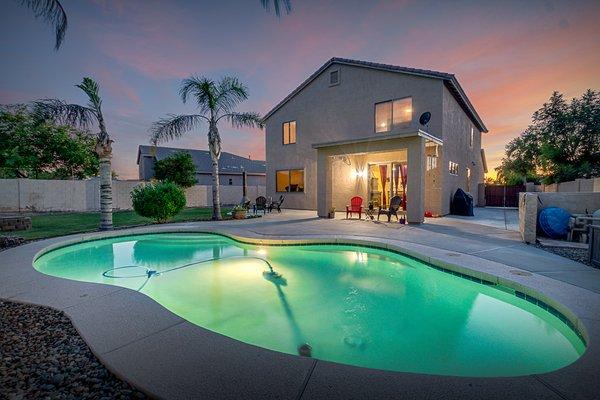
(84, 116)
(215, 101)
(277, 5)
(52, 12)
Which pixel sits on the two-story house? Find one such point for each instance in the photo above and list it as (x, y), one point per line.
(353, 129)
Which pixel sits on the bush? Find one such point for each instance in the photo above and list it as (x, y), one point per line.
(178, 168)
(160, 201)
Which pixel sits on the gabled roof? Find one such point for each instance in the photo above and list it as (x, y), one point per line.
(228, 163)
(449, 80)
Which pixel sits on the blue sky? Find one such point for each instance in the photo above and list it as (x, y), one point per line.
(509, 56)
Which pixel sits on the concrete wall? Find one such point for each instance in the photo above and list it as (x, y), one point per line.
(578, 185)
(84, 195)
(456, 132)
(530, 204)
(326, 113)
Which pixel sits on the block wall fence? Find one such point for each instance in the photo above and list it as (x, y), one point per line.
(17, 195)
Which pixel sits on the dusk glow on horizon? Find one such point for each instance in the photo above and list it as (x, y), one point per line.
(508, 56)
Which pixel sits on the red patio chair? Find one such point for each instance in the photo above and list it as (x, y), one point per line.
(355, 207)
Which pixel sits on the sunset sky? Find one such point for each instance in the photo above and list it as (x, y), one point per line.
(508, 55)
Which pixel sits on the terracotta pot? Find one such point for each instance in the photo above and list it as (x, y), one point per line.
(241, 214)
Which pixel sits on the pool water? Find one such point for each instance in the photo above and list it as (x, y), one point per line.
(353, 305)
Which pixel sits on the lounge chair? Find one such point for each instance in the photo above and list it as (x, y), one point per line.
(355, 207)
(395, 203)
(260, 205)
(277, 204)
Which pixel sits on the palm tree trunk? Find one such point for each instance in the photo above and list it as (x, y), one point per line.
(215, 190)
(104, 151)
(214, 146)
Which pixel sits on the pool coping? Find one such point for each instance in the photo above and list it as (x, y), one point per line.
(577, 305)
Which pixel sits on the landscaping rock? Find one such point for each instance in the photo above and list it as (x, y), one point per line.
(42, 356)
(10, 241)
(575, 254)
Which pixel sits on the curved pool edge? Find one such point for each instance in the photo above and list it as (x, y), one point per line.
(441, 263)
(545, 289)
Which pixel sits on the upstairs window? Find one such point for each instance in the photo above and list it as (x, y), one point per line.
(453, 168)
(334, 77)
(289, 132)
(393, 113)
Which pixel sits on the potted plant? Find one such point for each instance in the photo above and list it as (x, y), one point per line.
(331, 214)
(238, 212)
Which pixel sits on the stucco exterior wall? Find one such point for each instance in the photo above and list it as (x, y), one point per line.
(326, 113)
(456, 132)
(84, 195)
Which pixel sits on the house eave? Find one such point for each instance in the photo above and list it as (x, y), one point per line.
(379, 138)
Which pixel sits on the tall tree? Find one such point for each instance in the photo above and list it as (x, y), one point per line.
(561, 144)
(84, 116)
(33, 149)
(215, 101)
(53, 13)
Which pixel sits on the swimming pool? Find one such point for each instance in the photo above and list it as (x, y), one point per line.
(354, 305)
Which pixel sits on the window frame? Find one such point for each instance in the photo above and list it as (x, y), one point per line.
(338, 77)
(289, 176)
(392, 125)
(450, 169)
(431, 162)
(289, 130)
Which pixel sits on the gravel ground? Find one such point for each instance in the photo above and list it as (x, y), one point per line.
(579, 255)
(43, 357)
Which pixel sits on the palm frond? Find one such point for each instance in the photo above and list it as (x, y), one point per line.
(52, 12)
(277, 5)
(174, 126)
(230, 92)
(92, 90)
(64, 113)
(245, 120)
(203, 90)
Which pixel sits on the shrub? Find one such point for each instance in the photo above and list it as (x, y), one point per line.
(160, 201)
(177, 168)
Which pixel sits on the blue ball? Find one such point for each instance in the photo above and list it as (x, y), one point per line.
(554, 221)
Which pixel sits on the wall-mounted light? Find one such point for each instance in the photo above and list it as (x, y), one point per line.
(359, 173)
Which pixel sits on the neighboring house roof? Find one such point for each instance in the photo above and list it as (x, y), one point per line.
(228, 163)
(449, 80)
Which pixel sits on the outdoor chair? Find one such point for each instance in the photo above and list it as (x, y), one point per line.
(246, 205)
(277, 204)
(395, 203)
(355, 207)
(260, 205)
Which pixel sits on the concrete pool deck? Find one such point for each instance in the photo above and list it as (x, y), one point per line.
(168, 357)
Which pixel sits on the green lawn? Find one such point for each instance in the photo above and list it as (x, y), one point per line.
(59, 224)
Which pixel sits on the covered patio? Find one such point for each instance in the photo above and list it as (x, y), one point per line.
(378, 168)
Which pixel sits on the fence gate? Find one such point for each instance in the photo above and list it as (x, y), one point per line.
(503, 196)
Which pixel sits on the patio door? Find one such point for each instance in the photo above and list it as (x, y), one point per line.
(385, 182)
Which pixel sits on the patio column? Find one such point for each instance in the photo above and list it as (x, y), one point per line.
(415, 207)
(324, 198)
